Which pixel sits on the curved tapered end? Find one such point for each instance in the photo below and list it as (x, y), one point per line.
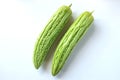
(35, 62)
(54, 73)
(36, 67)
(92, 11)
(70, 5)
(54, 70)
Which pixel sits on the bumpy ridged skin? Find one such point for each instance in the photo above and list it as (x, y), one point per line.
(70, 39)
(50, 33)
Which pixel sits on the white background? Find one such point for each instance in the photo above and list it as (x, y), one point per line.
(96, 56)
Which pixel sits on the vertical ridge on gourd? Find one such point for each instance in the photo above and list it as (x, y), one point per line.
(50, 33)
(70, 39)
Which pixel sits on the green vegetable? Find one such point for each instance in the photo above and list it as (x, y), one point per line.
(50, 33)
(70, 39)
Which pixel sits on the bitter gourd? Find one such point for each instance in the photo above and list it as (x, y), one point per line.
(70, 39)
(50, 33)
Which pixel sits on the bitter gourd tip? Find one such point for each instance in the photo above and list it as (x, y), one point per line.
(70, 5)
(54, 73)
(36, 66)
(92, 12)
